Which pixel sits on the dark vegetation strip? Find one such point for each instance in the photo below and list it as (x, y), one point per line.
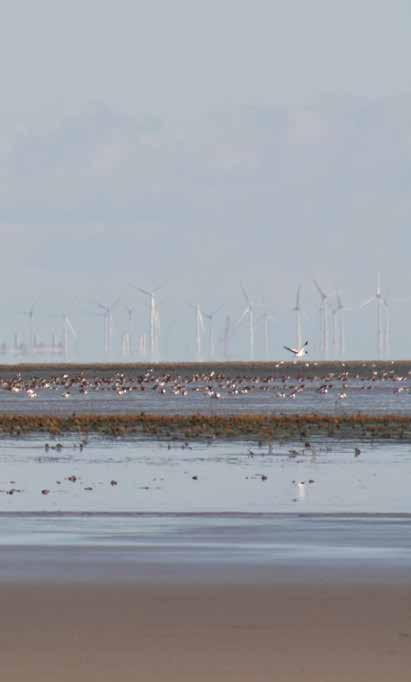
(198, 426)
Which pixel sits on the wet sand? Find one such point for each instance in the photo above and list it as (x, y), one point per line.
(283, 632)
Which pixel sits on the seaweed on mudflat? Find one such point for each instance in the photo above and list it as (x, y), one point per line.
(199, 426)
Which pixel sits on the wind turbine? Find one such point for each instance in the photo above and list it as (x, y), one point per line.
(210, 318)
(142, 345)
(199, 329)
(383, 319)
(339, 326)
(323, 320)
(17, 344)
(130, 312)
(249, 310)
(108, 323)
(154, 323)
(30, 315)
(297, 311)
(68, 333)
(227, 337)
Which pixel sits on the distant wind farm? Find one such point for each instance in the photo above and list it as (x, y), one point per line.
(130, 328)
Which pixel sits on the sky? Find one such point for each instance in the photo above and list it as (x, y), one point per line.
(197, 145)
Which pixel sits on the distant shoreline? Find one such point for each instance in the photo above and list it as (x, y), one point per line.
(257, 368)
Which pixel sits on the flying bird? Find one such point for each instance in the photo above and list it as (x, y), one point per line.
(298, 352)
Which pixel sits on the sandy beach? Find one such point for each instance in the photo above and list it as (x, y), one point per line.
(279, 632)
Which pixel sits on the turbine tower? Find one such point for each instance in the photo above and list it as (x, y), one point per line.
(108, 324)
(383, 320)
(227, 337)
(249, 310)
(142, 345)
(199, 330)
(30, 315)
(125, 345)
(69, 333)
(339, 327)
(154, 323)
(323, 320)
(211, 344)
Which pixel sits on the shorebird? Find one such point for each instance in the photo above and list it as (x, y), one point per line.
(298, 352)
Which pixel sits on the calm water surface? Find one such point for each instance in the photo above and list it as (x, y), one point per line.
(140, 476)
(137, 510)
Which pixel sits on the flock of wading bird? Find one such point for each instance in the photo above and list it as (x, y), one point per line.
(211, 384)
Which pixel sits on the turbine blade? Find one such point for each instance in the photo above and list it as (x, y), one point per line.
(99, 305)
(368, 301)
(71, 328)
(320, 291)
(245, 313)
(245, 294)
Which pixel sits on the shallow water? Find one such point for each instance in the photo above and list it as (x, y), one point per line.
(197, 548)
(379, 399)
(150, 477)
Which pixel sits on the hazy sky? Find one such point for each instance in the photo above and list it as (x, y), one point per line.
(200, 143)
(189, 56)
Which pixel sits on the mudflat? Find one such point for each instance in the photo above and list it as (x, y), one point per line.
(331, 632)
